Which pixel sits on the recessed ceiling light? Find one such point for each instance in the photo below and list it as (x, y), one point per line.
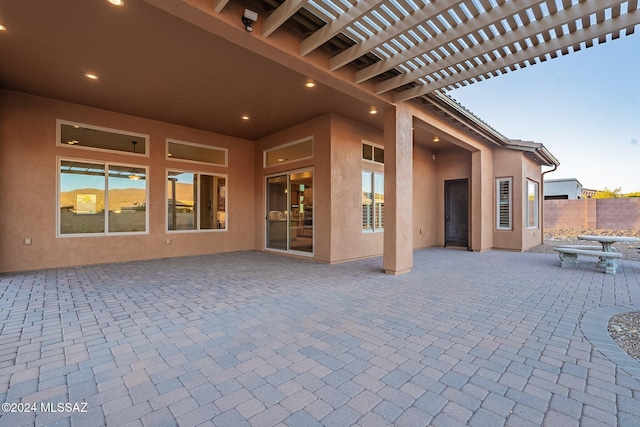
(117, 2)
(245, 117)
(373, 110)
(3, 28)
(436, 139)
(91, 76)
(310, 84)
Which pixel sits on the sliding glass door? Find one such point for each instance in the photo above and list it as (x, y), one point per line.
(289, 219)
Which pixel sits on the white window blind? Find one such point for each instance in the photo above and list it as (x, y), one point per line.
(503, 192)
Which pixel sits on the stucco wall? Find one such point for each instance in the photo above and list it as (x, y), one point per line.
(425, 200)
(28, 179)
(611, 214)
(348, 241)
(532, 236)
(508, 164)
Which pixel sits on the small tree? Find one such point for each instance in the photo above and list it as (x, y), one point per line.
(608, 194)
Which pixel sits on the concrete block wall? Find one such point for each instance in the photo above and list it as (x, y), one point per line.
(619, 213)
(612, 214)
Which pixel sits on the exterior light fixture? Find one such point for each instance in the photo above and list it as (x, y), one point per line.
(91, 76)
(373, 111)
(436, 139)
(3, 28)
(117, 2)
(245, 117)
(249, 18)
(134, 174)
(310, 83)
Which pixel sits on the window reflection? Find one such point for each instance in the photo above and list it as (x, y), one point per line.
(196, 201)
(86, 188)
(127, 199)
(181, 200)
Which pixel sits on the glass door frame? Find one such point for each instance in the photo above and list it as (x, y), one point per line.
(287, 174)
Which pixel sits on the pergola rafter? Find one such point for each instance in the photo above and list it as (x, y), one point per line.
(493, 68)
(506, 43)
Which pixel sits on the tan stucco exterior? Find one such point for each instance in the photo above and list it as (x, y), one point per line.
(513, 164)
(28, 173)
(415, 177)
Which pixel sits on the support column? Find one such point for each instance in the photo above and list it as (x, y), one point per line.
(398, 190)
(481, 218)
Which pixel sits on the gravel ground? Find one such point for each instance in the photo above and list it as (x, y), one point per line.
(624, 328)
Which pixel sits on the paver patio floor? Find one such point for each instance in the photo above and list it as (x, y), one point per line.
(480, 339)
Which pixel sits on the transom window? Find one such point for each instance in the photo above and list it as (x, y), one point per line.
(196, 201)
(101, 198)
(180, 150)
(288, 153)
(102, 139)
(372, 152)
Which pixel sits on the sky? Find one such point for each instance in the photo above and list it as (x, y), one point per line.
(584, 107)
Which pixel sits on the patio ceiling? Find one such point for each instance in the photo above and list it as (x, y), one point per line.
(416, 47)
(190, 62)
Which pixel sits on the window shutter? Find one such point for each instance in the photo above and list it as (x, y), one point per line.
(504, 204)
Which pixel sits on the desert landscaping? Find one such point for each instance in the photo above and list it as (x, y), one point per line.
(624, 328)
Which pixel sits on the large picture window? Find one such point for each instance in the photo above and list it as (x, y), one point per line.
(532, 204)
(196, 201)
(101, 198)
(372, 201)
(503, 208)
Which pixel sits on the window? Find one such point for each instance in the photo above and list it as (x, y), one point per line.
(102, 139)
(196, 201)
(503, 198)
(372, 201)
(288, 153)
(101, 198)
(179, 150)
(532, 204)
(372, 152)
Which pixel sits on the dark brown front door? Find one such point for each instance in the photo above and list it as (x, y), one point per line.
(456, 212)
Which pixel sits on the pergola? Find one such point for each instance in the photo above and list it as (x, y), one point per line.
(412, 48)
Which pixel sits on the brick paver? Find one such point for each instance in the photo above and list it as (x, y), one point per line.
(493, 338)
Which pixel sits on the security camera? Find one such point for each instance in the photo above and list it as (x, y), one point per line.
(249, 18)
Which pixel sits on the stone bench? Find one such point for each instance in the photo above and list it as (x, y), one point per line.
(569, 257)
(585, 247)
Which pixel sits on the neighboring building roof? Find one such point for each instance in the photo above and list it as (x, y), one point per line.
(563, 180)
